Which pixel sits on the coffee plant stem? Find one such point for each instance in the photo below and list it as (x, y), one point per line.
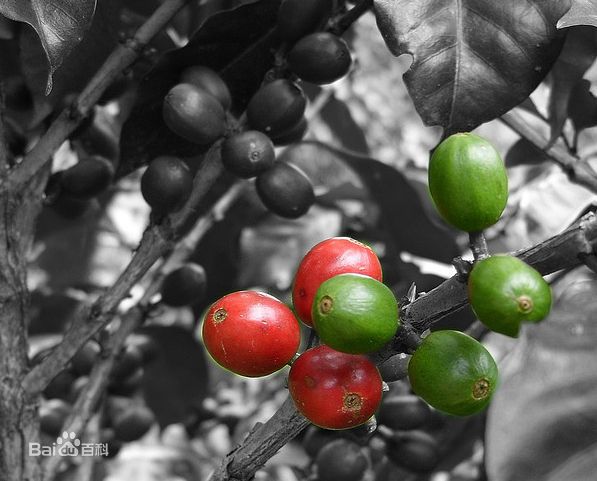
(478, 245)
(68, 120)
(4, 151)
(578, 171)
(157, 240)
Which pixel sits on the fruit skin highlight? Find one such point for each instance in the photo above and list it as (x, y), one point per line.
(453, 372)
(505, 291)
(251, 333)
(468, 182)
(335, 390)
(355, 314)
(329, 258)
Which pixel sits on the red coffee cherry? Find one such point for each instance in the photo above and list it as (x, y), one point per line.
(88, 178)
(341, 460)
(285, 190)
(251, 333)
(208, 80)
(320, 58)
(297, 18)
(335, 390)
(194, 114)
(166, 184)
(338, 255)
(248, 154)
(276, 107)
(184, 286)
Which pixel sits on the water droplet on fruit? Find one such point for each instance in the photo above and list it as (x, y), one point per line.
(481, 388)
(220, 315)
(326, 304)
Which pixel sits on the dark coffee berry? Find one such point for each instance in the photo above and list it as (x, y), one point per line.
(52, 415)
(276, 107)
(194, 114)
(127, 386)
(166, 184)
(416, 451)
(285, 190)
(60, 386)
(404, 412)
(70, 208)
(292, 135)
(248, 154)
(149, 348)
(316, 439)
(297, 18)
(184, 286)
(129, 361)
(133, 423)
(88, 178)
(341, 460)
(76, 389)
(208, 80)
(320, 58)
(84, 360)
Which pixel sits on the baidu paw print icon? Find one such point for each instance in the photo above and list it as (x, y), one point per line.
(68, 444)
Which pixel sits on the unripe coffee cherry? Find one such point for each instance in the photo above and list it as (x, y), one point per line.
(194, 114)
(88, 178)
(320, 58)
(184, 286)
(285, 190)
(251, 333)
(297, 18)
(335, 390)
(341, 460)
(166, 184)
(133, 423)
(329, 258)
(208, 80)
(248, 154)
(276, 107)
(292, 135)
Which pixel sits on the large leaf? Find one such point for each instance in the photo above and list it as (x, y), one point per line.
(60, 25)
(237, 43)
(473, 60)
(541, 424)
(582, 12)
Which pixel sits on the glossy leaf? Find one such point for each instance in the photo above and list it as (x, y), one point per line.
(60, 25)
(237, 43)
(578, 54)
(473, 60)
(582, 12)
(523, 152)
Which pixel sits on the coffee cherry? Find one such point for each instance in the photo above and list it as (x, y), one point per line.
(194, 114)
(251, 333)
(285, 190)
(468, 182)
(129, 360)
(337, 255)
(320, 58)
(505, 291)
(355, 314)
(453, 373)
(184, 286)
(416, 451)
(133, 423)
(127, 386)
(297, 18)
(316, 439)
(276, 107)
(88, 178)
(52, 415)
(166, 184)
(60, 386)
(334, 390)
(403, 412)
(148, 347)
(292, 135)
(341, 459)
(248, 154)
(208, 80)
(69, 207)
(84, 360)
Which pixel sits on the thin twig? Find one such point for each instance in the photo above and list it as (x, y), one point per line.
(350, 17)
(478, 245)
(578, 171)
(4, 149)
(156, 242)
(68, 120)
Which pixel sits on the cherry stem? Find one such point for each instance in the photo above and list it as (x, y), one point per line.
(478, 245)
(345, 21)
